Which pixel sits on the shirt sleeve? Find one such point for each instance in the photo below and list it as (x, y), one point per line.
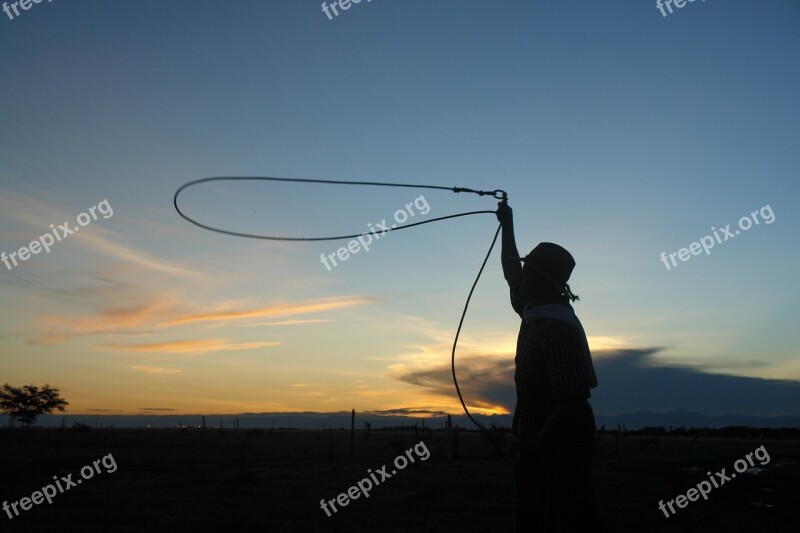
(517, 300)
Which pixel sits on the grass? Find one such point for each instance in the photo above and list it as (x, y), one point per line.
(263, 480)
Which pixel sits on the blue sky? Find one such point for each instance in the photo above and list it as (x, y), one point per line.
(618, 133)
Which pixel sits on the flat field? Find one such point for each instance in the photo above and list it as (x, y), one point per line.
(169, 480)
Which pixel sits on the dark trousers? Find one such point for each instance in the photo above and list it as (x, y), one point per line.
(554, 490)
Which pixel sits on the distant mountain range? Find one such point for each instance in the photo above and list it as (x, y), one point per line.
(319, 421)
(690, 419)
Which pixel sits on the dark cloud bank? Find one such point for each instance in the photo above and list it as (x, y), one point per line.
(633, 390)
(633, 386)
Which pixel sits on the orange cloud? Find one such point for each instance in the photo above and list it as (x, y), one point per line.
(160, 312)
(57, 328)
(190, 347)
(156, 369)
(289, 322)
(312, 306)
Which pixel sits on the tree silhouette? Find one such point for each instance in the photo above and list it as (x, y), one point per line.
(28, 402)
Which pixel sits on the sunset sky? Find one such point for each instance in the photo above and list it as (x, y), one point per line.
(617, 132)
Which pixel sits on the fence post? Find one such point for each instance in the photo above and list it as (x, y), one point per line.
(449, 438)
(352, 430)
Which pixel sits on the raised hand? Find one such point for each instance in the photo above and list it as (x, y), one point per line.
(504, 212)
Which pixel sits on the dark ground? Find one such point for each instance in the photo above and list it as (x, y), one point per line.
(262, 480)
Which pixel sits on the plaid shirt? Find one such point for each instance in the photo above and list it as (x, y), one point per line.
(549, 368)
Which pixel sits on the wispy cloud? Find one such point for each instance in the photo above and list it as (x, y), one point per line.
(165, 310)
(156, 369)
(408, 411)
(300, 308)
(136, 317)
(285, 322)
(38, 215)
(190, 347)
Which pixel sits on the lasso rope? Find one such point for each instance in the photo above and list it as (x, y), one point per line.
(497, 194)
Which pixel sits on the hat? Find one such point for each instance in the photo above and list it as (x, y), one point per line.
(554, 263)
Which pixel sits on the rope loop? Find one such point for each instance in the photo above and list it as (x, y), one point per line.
(497, 194)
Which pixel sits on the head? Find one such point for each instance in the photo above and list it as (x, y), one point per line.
(545, 274)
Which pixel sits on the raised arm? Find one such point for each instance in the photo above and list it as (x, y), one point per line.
(509, 256)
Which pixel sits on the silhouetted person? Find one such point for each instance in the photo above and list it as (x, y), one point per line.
(553, 422)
